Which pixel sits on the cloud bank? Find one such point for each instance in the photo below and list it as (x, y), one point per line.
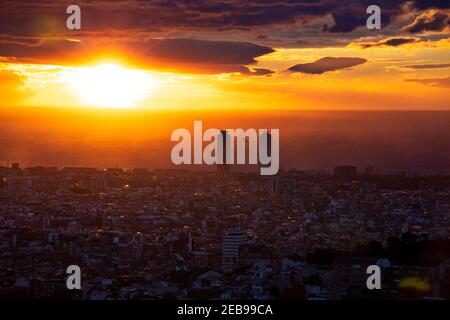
(327, 64)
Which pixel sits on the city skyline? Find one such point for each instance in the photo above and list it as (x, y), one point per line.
(390, 141)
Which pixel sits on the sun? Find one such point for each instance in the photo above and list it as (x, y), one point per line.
(110, 85)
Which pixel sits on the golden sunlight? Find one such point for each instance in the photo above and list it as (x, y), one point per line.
(110, 85)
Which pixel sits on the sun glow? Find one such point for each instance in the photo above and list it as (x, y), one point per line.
(110, 85)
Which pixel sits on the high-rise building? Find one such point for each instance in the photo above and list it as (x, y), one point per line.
(232, 239)
(223, 168)
(268, 148)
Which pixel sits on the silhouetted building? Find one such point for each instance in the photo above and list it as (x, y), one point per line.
(268, 148)
(79, 170)
(223, 168)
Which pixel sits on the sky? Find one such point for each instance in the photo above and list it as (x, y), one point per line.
(252, 54)
(111, 93)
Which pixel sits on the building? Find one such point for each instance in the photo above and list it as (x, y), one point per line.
(268, 148)
(223, 142)
(79, 170)
(232, 239)
(440, 279)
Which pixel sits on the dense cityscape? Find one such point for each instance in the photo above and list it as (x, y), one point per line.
(178, 234)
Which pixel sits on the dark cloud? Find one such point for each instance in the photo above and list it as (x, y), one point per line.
(429, 66)
(258, 72)
(429, 21)
(349, 15)
(345, 23)
(44, 17)
(395, 42)
(327, 64)
(204, 51)
(322, 41)
(427, 4)
(438, 82)
(42, 51)
(391, 42)
(138, 20)
(203, 56)
(190, 55)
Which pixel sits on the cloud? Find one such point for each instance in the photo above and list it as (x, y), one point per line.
(427, 4)
(28, 17)
(204, 51)
(438, 82)
(258, 72)
(429, 21)
(349, 15)
(391, 42)
(242, 20)
(327, 64)
(12, 90)
(429, 66)
(185, 55)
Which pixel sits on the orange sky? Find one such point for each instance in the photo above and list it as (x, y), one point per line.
(390, 141)
(404, 65)
(383, 82)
